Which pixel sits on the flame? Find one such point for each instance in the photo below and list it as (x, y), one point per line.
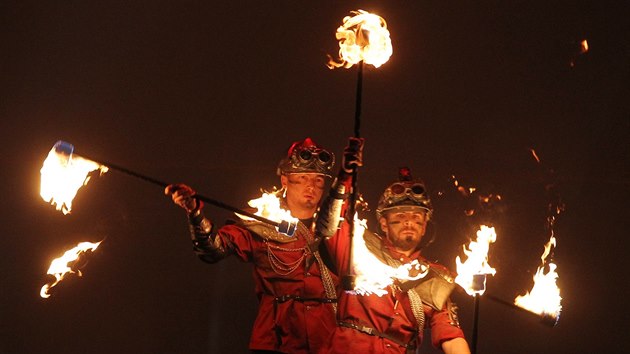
(583, 46)
(363, 36)
(63, 175)
(372, 275)
(477, 261)
(59, 267)
(544, 299)
(268, 206)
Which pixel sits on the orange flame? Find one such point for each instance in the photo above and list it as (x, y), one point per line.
(372, 275)
(59, 267)
(477, 261)
(268, 206)
(62, 176)
(363, 36)
(544, 299)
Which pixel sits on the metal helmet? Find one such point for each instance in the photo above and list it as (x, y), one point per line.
(406, 194)
(307, 157)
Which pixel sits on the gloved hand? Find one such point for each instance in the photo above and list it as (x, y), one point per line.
(184, 196)
(352, 154)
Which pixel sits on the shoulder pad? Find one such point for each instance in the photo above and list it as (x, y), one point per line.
(435, 288)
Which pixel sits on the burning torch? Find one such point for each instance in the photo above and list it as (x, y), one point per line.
(363, 37)
(544, 298)
(472, 273)
(64, 172)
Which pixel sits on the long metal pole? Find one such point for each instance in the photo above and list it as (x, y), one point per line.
(473, 343)
(348, 280)
(208, 200)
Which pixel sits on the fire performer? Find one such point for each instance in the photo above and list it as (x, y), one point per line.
(394, 322)
(296, 291)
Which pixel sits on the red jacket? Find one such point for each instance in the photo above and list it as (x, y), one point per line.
(390, 314)
(291, 316)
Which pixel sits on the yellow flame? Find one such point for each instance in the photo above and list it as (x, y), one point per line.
(363, 36)
(62, 176)
(268, 206)
(584, 46)
(477, 260)
(59, 267)
(372, 275)
(544, 297)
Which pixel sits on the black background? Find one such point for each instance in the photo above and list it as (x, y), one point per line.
(212, 94)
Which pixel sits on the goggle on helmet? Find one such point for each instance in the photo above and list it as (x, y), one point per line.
(406, 194)
(307, 157)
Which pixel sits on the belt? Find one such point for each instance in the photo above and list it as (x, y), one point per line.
(373, 332)
(285, 298)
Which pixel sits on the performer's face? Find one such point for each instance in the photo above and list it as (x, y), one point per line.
(404, 229)
(304, 191)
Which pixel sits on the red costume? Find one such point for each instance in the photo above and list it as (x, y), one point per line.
(394, 322)
(390, 317)
(296, 292)
(296, 312)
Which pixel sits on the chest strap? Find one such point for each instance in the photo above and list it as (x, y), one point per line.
(373, 332)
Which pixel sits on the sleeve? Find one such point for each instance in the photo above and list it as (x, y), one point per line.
(331, 224)
(330, 214)
(212, 247)
(445, 324)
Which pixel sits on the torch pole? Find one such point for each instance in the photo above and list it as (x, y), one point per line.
(475, 328)
(350, 277)
(211, 201)
(548, 320)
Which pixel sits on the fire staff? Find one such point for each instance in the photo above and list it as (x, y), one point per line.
(394, 322)
(296, 291)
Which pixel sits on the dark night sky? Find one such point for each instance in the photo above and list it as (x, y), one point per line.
(213, 94)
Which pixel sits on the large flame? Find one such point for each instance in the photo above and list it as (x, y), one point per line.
(268, 206)
(544, 299)
(363, 36)
(63, 175)
(477, 262)
(59, 267)
(372, 275)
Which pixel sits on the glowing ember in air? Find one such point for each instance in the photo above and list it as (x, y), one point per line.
(61, 266)
(477, 262)
(583, 46)
(372, 275)
(535, 155)
(363, 36)
(544, 299)
(63, 174)
(268, 206)
(465, 191)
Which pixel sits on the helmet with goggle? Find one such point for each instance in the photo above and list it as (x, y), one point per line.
(406, 194)
(307, 157)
